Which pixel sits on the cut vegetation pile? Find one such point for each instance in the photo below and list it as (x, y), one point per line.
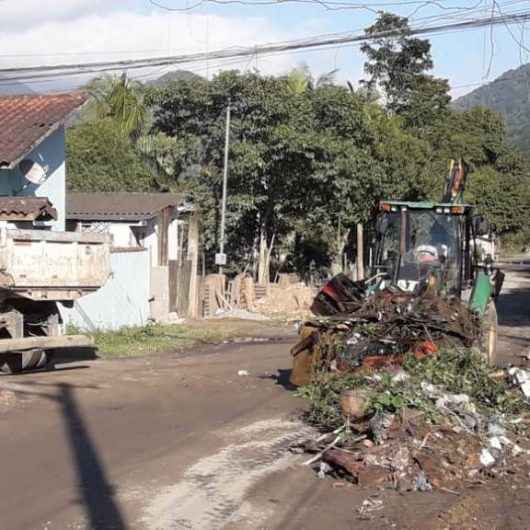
(445, 421)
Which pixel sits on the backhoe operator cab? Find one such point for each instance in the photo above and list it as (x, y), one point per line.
(427, 242)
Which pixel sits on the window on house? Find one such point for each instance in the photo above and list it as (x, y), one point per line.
(97, 227)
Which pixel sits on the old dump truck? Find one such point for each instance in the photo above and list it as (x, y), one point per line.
(425, 257)
(38, 270)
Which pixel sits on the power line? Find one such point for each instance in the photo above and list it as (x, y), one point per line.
(32, 73)
(327, 4)
(35, 72)
(460, 13)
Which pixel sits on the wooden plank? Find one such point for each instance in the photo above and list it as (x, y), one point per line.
(360, 252)
(45, 343)
(163, 228)
(173, 273)
(183, 291)
(193, 257)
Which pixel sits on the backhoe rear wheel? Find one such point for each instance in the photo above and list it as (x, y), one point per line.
(489, 334)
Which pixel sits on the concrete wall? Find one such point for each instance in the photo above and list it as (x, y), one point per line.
(151, 240)
(49, 153)
(121, 234)
(122, 301)
(159, 304)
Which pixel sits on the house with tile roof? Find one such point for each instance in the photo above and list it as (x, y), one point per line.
(156, 234)
(32, 158)
(151, 262)
(154, 221)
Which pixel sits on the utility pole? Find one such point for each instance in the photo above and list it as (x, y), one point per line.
(221, 256)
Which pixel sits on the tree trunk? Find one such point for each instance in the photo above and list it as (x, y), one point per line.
(268, 259)
(338, 262)
(265, 251)
(262, 257)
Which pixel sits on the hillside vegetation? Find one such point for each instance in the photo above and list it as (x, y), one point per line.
(509, 95)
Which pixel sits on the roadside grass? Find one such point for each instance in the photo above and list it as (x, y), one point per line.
(158, 338)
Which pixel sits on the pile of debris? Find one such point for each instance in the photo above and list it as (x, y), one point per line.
(242, 298)
(403, 396)
(379, 330)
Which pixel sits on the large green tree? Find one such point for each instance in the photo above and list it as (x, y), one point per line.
(308, 159)
(398, 65)
(304, 158)
(100, 157)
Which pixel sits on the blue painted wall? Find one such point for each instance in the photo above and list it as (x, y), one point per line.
(122, 301)
(51, 154)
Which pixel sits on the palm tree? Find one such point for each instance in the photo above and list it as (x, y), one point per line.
(299, 80)
(326, 79)
(122, 100)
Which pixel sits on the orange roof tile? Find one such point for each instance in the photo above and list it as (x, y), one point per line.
(27, 120)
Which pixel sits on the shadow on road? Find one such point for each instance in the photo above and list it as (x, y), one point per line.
(513, 304)
(95, 489)
(282, 378)
(73, 355)
(513, 308)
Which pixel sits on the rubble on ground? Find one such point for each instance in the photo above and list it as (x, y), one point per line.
(292, 299)
(403, 395)
(408, 433)
(243, 298)
(521, 378)
(240, 314)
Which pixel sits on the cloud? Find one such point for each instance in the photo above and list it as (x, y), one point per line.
(16, 15)
(119, 34)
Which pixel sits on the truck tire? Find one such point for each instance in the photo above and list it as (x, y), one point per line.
(13, 363)
(39, 319)
(488, 344)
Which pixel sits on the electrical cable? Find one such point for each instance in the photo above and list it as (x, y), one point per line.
(227, 53)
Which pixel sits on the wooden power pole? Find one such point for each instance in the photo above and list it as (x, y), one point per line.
(360, 252)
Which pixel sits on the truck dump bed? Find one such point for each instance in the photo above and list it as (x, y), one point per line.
(55, 266)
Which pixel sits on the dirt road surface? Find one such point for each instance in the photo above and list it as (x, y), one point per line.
(184, 442)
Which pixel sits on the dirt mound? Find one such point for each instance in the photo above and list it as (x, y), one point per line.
(294, 299)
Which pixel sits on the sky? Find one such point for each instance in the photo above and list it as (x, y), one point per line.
(42, 32)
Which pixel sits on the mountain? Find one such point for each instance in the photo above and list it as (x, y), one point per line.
(176, 75)
(509, 95)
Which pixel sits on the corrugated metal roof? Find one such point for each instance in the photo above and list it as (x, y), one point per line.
(121, 206)
(27, 120)
(26, 209)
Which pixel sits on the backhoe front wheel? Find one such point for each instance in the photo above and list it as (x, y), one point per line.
(488, 343)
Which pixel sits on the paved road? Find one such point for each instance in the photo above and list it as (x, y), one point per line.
(185, 442)
(514, 313)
